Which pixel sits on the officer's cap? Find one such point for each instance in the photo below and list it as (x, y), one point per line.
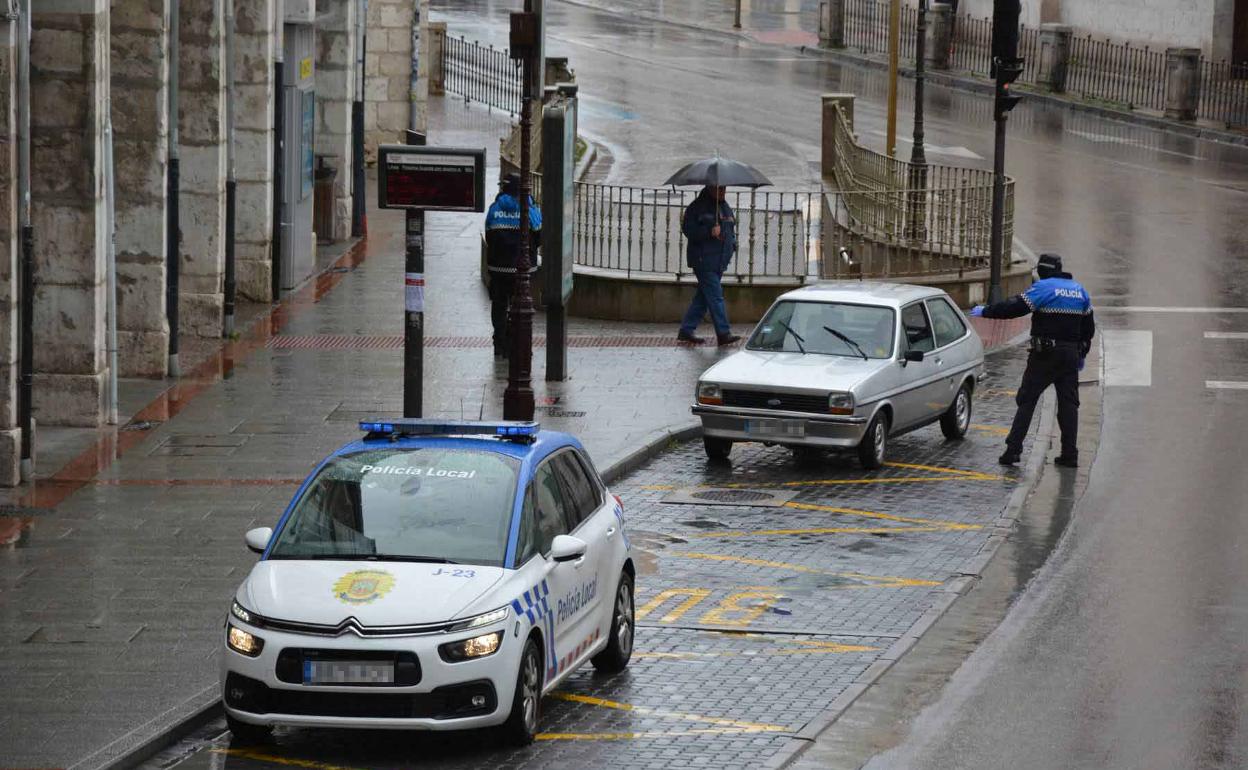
(1049, 265)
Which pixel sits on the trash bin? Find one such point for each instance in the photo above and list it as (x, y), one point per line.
(323, 200)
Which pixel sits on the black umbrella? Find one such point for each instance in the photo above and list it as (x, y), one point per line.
(719, 172)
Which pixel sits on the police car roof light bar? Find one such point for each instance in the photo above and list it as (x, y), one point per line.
(510, 430)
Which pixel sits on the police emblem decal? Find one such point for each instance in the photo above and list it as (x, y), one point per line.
(363, 586)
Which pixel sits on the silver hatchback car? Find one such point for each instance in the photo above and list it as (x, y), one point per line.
(845, 365)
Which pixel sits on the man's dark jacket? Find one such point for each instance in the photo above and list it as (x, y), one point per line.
(704, 251)
(502, 233)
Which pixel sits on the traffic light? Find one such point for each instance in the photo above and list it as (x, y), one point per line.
(1008, 71)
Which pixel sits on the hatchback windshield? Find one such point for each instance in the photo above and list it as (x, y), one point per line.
(827, 328)
(428, 504)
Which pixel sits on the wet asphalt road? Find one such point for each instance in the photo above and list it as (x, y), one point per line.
(1129, 649)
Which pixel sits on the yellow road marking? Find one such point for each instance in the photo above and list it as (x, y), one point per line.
(726, 613)
(822, 531)
(259, 756)
(877, 515)
(976, 475)
(635, 736)
(695, 595)
(749, 727)
(886, 581)
(996, 429)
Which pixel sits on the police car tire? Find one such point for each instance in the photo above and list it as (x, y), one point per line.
(517, 731)
(953, 428)
(245, 732)
(716, 448)
(614, 657)
(869, 456)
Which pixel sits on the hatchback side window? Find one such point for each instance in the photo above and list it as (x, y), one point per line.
(577, 487)
(551, 507)
(946, 321)
(918, 330)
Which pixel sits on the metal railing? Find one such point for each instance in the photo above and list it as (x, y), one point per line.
(481, 73)
(1117, 72)
(1224, 92)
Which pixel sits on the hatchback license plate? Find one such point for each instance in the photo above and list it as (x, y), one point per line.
(344, 672)
(776, 428)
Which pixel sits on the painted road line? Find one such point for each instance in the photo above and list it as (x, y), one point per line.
(1226, 385)
(883, 516)
(977, 475)
(752, 727)
(260, 756)
(639, 736)
(824, 531)
(881, 581)
(996, 430)
(1226, 335)
(1152, 309)
(693, 597)
(1128, 358)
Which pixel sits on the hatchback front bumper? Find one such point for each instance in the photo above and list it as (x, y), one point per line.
(779, 427)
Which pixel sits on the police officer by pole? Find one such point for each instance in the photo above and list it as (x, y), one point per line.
(502, 253)
(1061, 336)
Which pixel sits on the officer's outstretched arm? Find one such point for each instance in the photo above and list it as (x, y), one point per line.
(1014, 307)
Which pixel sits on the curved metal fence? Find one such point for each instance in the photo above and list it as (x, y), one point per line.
(481, 73)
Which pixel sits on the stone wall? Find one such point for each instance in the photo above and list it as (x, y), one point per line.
(10, 435)
(387, 70)
(69, 89)
(335, 91)
(140, 71)
(255, 42)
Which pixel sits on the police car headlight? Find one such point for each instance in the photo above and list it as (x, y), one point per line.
(247, 616)
(476, 647)
(710, 393)
(478, 621)
(841, 403)
(243, 642)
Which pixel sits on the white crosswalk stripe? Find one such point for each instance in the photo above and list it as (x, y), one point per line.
(1128, 358)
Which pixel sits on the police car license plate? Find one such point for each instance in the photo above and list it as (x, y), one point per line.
(348, 672)
(776, 428)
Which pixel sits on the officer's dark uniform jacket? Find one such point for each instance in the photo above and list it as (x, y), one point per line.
(502, 234)
(1061, 312)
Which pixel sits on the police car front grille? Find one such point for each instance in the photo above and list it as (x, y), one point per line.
(449, 702)
(351, 625)
(788, 402)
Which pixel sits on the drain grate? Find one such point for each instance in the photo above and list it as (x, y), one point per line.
(751, 498)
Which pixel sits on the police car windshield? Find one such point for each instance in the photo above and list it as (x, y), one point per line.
(826, 328)
(389, 503)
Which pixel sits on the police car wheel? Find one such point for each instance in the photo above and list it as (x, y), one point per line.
(526, 704)
(955, 422)
(716, 448)
(874, 444)
(614, 657)
(245, 732)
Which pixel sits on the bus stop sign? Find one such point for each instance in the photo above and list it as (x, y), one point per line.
(430, 178)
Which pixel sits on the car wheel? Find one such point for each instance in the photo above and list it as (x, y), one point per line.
(526, 704)
(874, 444)
(614, 657)
(957, 420)
(245, 732)
(717, 448)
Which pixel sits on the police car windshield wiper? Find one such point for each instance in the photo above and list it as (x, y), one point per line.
(796, 337)
(403, 557)
(846, 340)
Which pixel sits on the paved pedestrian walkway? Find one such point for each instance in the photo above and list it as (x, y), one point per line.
(116, 575)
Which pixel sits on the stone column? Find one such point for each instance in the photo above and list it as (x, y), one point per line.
(69, 84)
(939, 36)
(140, 73)
(201, 133)
(10, 434)
(255, 41)
(387, 70)
(832, 24)
(1054, 56)
(828, 128)
(1182, 83)
(335, 91)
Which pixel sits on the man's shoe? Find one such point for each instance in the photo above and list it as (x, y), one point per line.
(684, 336)
(1010, 458)
(1066, 462)
(727, 339)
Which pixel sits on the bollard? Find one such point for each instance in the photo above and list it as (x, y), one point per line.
(939, 36)
(1054, 56)
(437, 58)
(1182, 83)
(827, 163)
(832, 24)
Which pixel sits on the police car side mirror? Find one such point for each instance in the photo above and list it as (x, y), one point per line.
(914, 355)
(258, 539)
(567, 548)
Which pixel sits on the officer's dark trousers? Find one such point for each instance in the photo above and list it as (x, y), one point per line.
(500, 297)
(1058, 367)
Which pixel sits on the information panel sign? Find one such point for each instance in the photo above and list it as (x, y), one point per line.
(558, 199)
(430, 178)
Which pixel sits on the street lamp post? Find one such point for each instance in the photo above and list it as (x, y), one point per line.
(518, 402)
(918, 158)
(736, 20)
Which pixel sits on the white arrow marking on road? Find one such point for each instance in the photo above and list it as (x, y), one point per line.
(936, 149)
(1226, 385)
(1128, 358)
(1226, 335)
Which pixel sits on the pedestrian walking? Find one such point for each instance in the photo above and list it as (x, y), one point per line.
(1062, 326)
(502, 254)
(710, 228)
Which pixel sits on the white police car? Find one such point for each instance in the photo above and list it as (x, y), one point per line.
(431, 576)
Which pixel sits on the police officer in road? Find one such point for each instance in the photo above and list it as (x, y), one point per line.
(502, 253)
(1061, 336)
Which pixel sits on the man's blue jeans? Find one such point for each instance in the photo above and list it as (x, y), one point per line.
(708, 296)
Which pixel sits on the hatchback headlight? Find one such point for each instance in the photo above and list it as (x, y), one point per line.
(476, 647)
(242, 642)
(841, 403)
(709, 393)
